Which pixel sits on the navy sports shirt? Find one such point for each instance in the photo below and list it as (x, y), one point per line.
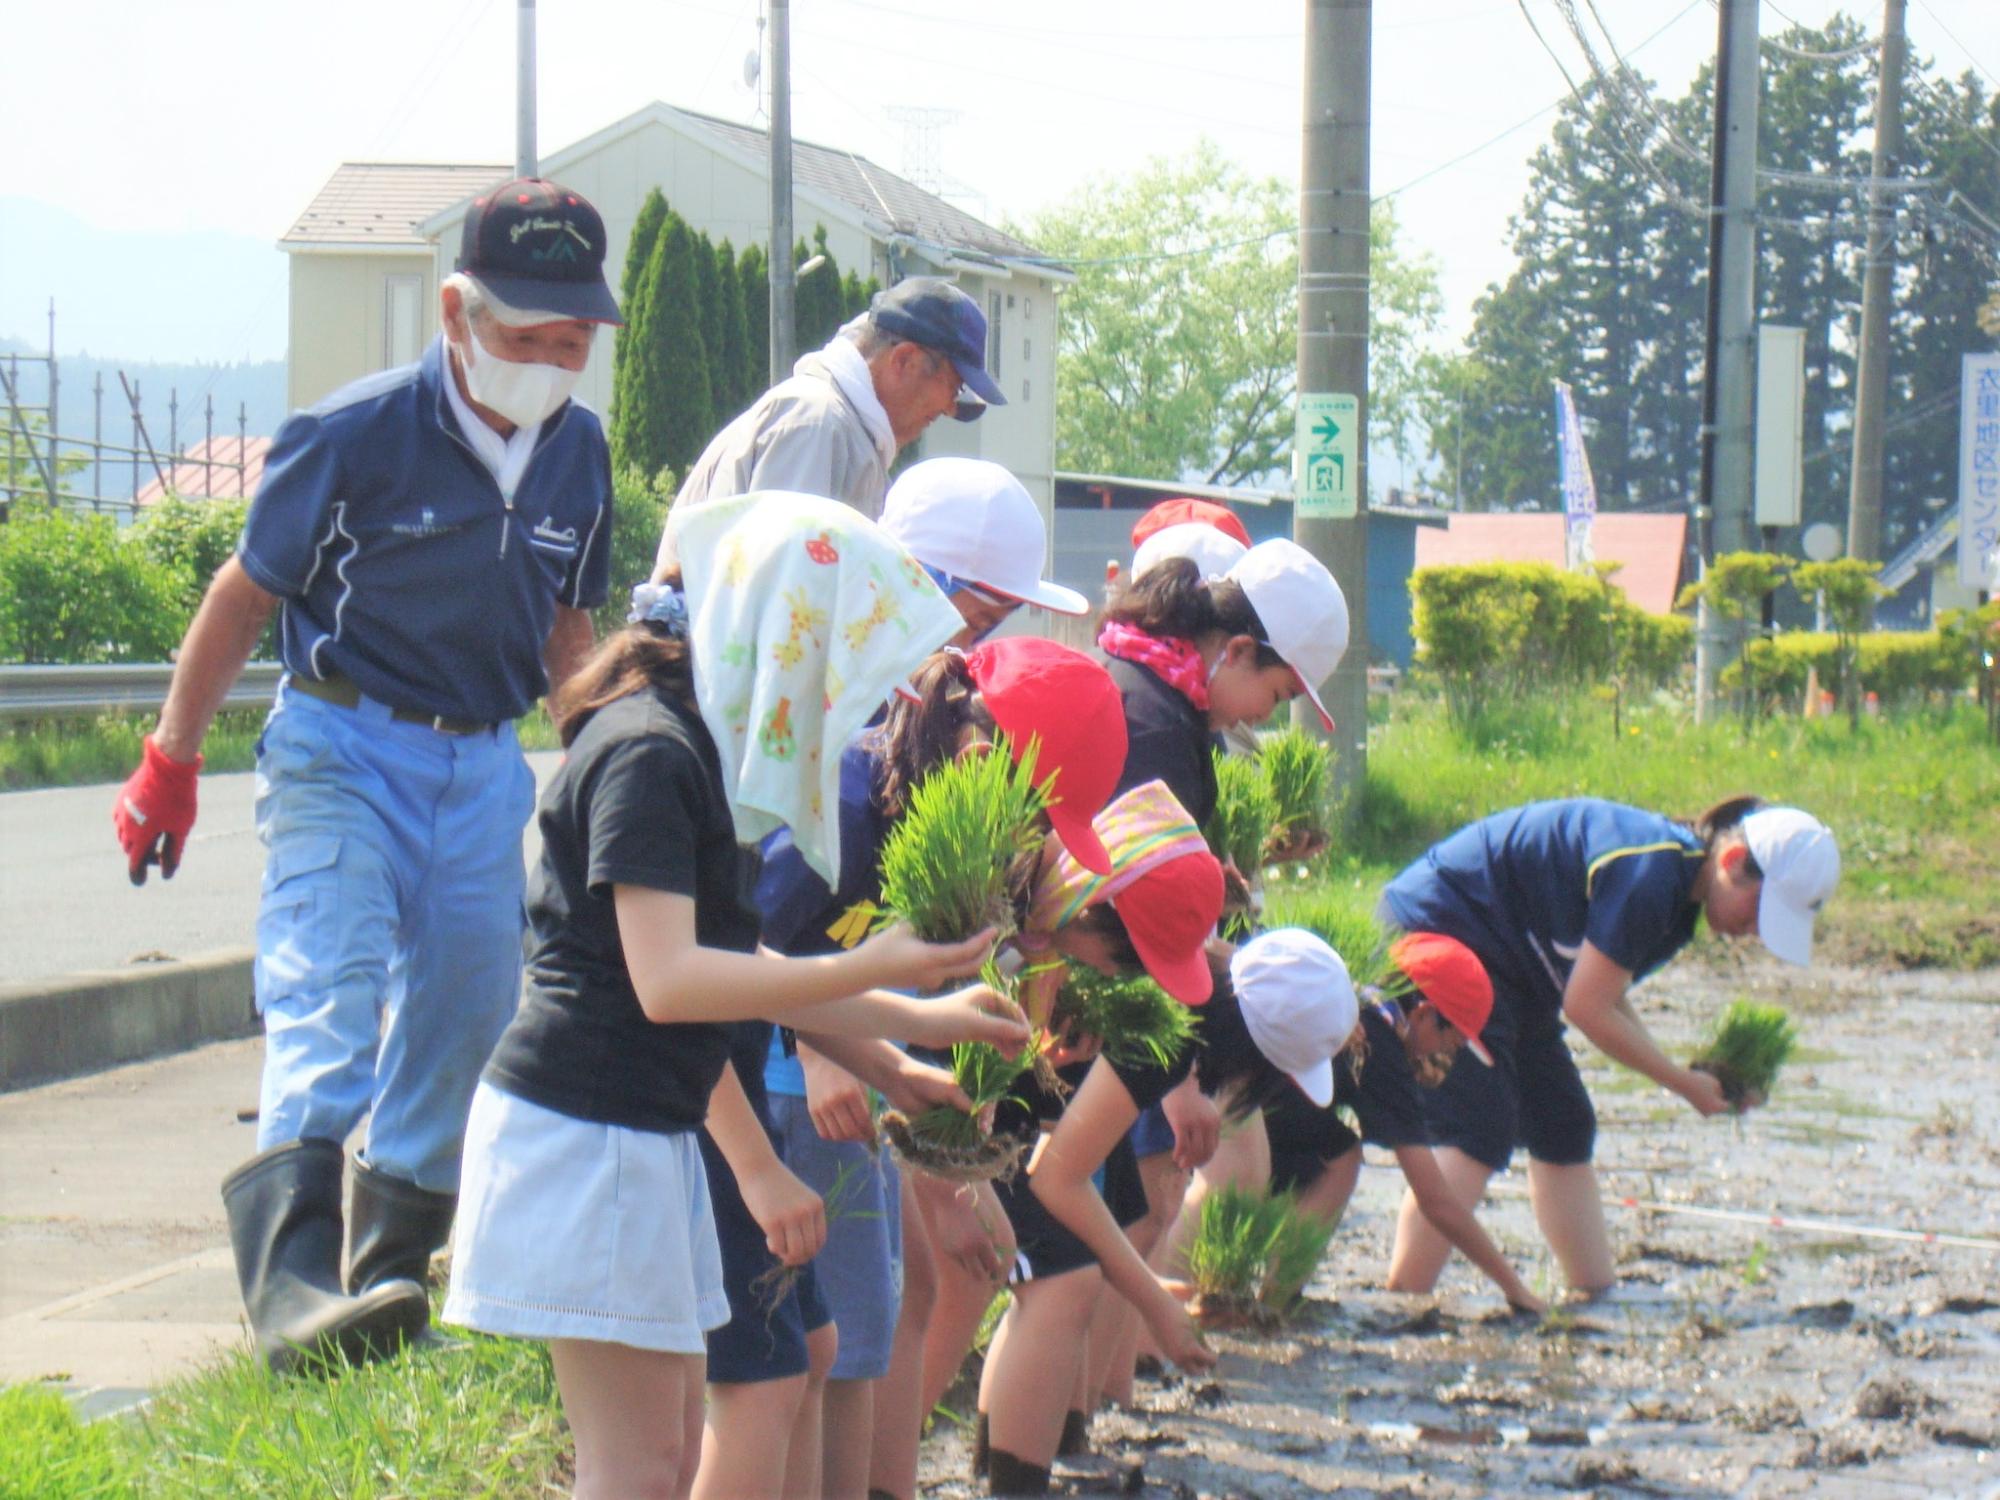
(1524, 889)
(400, 565)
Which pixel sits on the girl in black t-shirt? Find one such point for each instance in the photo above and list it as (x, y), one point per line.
(1404, 1046)
(1281, 1007)
(585, 1216)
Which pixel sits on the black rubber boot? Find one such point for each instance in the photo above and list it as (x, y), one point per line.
(1008, 1475)
(981, 1448)
(284, 1225)
(1075, 1439)
(393, 1227)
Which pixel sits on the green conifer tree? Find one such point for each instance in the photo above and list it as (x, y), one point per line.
(668, 414)
(752, 271)
(708, 306)
(638, 250)
(740, 367)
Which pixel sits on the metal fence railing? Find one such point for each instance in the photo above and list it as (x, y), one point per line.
(126, 687)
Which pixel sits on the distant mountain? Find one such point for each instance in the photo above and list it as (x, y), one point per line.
(139, 295)
(259, 388)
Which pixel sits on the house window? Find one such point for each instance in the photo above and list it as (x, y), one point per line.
(402, 319)
(993, 334)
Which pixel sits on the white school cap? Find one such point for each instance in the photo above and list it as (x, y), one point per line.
(1801, 865)
(1303, 610)
(972, 519)
(1213, 551)
(1298, 1004)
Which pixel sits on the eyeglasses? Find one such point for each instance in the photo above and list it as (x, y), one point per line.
(955, 585)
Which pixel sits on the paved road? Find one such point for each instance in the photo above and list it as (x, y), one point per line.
(65, 902)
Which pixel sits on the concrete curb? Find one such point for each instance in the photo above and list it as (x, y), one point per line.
(78, 1023)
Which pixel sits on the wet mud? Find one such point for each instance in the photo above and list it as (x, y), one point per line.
(1737, 1359)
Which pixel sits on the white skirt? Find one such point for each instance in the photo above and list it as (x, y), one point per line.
(568, 1229)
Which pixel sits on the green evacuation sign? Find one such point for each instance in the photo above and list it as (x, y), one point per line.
(1326, 480)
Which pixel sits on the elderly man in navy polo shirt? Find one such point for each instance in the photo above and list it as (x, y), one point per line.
(431, 538)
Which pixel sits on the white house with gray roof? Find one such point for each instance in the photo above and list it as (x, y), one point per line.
(369, 251)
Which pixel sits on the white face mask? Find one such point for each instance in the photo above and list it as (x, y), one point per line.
(522, 393)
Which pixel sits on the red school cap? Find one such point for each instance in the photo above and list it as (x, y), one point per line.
(1175, 512)
(1170, 912)
(1068, 703)
(1451, 977)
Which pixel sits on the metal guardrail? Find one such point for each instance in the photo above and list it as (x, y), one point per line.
(125, 687)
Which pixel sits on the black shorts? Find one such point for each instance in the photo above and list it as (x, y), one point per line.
(1532, 1096)
(1304, 1138)
(1045, 1246)
(765, 1337)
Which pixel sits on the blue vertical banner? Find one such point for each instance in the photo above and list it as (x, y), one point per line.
(1579, 489)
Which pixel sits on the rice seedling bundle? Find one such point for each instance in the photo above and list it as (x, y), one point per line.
(1140, 1023)
(1297, 768)
(1745, 1050)
(965, 844)
(1345, 918)
(1251, 1256)
(964, 849)
(1244, 813)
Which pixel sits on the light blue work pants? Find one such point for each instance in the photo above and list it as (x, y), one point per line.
(389, 933)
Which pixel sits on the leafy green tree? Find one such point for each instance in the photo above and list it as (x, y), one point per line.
(1849, 588)
(1735, 587)
(193, 538)
(73, 589)
(640, 503)
(1178, 344)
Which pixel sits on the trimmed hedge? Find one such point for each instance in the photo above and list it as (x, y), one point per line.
(1490, 631)
(1900, 667)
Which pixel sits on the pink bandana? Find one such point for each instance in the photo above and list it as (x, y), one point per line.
(1176, 661)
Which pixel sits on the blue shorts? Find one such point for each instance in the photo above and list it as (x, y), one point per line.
(861, 1268)
(765, 1337)
(1532, 1096)
(1151, 1135)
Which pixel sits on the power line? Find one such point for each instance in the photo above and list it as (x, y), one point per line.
(1937, 21)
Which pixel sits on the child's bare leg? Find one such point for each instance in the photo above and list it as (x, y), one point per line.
(899, 1420)
(1420, 1253)
(804, 1468)
(1570, 1209)
(1031, 1374)
(1327, 1195)
(745, 1438)
(962, 1297)
(628, 1409)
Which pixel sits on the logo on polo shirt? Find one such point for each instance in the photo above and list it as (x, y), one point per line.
(425, 525)
(555, 536)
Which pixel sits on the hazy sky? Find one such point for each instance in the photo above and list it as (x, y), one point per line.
(227, 115)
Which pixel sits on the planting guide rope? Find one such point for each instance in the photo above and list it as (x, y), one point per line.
(1782, 1221)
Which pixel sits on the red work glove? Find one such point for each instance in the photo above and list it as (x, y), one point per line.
(154, 812)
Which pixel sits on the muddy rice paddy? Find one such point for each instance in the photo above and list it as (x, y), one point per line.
(1733, 1359)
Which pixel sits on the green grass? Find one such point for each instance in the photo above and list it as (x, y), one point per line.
(1343, 915)
(478, 1417)
(1913, 798)
(87, 751)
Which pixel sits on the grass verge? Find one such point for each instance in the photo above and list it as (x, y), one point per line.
(473, 1417)
(83, 752)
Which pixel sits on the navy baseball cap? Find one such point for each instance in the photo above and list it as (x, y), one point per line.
(539, 247)
(932, 312)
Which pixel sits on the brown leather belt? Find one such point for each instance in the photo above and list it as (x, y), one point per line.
(342, 692)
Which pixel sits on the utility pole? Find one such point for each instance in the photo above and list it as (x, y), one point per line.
(1871, 379)
(526, 163)
(1723, 516)
(784, 277)
(1333, 345)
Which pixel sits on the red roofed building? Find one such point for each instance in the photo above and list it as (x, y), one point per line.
(1650, 548)
(222, 468)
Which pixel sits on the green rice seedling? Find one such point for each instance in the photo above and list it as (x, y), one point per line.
(1230, 1258)
(1745, 1050)
(1297, 1250)
(1139, 1022)
(953, 1143)
(1345, 918)
(964, 846)
(772, 1285)
(1297, 769)
(1244, 813)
